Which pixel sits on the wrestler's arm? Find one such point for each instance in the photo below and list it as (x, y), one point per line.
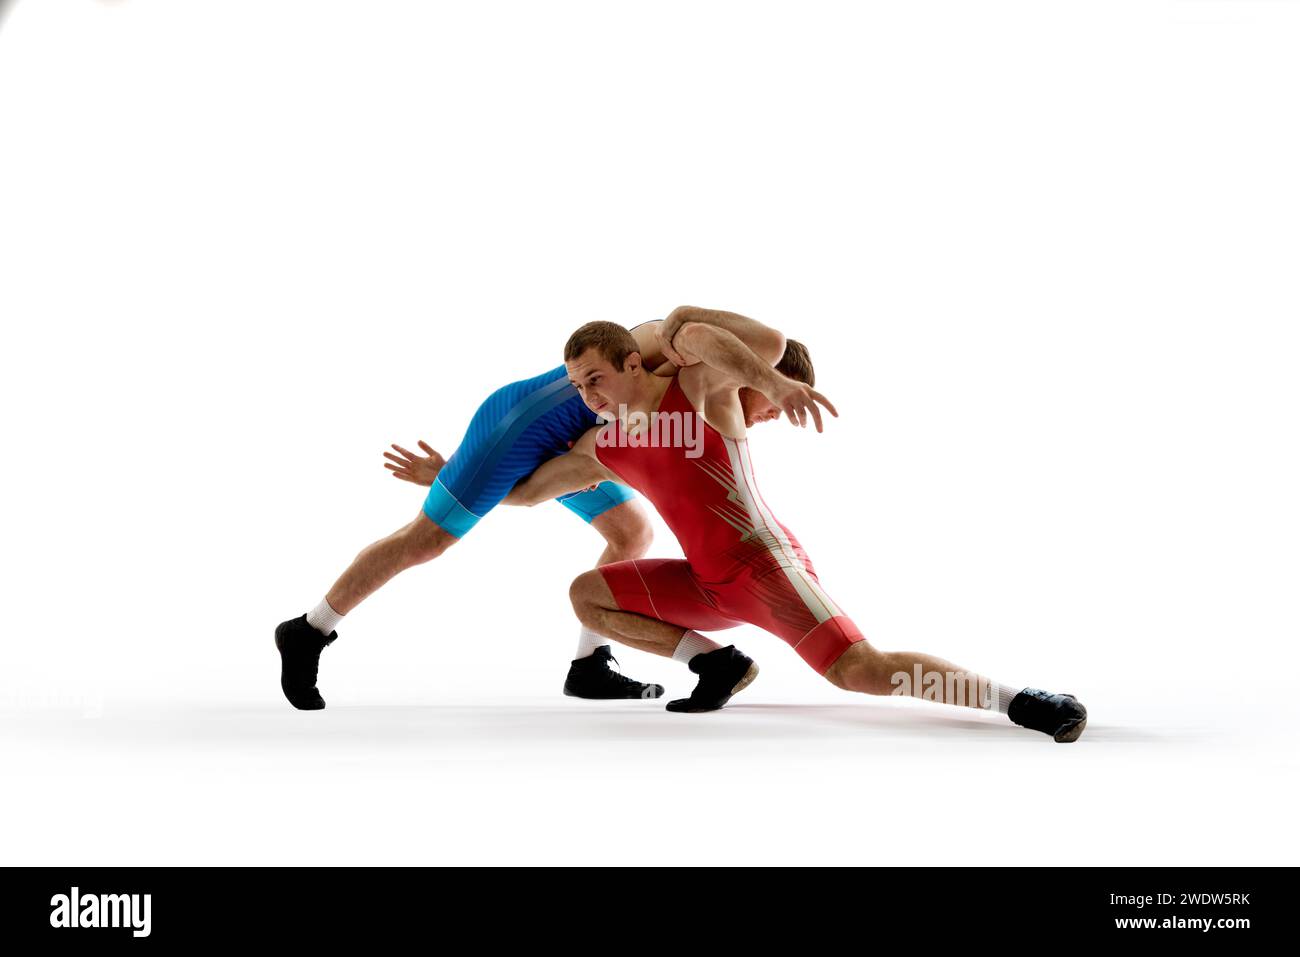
(767, 343)
(726, 356)
(654, 339)
(573, 471)
(718, 363)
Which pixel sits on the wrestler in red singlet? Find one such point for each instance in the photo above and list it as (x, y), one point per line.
(742, 565)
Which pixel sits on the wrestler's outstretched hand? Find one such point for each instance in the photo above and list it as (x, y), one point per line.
(418, 469)
(799, 401)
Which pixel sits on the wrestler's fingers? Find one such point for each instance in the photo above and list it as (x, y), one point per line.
(796, 413)
(826, 402)
(816, 414)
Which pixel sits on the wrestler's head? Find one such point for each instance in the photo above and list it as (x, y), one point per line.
(604, 365)
(795, 364)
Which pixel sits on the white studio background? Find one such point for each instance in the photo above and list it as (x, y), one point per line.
(1045, 255)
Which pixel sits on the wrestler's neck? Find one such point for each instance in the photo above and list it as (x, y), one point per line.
(648, 394)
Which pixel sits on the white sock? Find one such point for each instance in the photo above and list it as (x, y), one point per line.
(692, 644)
(324, 618)
(1005, 695)
(588, 642)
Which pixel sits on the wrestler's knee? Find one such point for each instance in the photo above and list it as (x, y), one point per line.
(863, 669)
(585, 594)
(425, 540)
(627, 530)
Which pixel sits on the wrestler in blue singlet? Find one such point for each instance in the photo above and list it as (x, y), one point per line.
(516, 429)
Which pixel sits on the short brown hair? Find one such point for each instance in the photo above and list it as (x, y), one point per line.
(610, 339)
(797, 363)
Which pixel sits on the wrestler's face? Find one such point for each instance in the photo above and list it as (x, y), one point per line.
(757, 408)
(601, 386)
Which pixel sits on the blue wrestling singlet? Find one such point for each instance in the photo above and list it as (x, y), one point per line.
(516, 429)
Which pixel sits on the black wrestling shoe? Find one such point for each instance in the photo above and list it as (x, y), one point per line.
(1060, 715)
(723, 672)
(300, 646)
(592, 677)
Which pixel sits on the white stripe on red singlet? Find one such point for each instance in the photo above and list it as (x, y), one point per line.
(816, 600)
(647, 590)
